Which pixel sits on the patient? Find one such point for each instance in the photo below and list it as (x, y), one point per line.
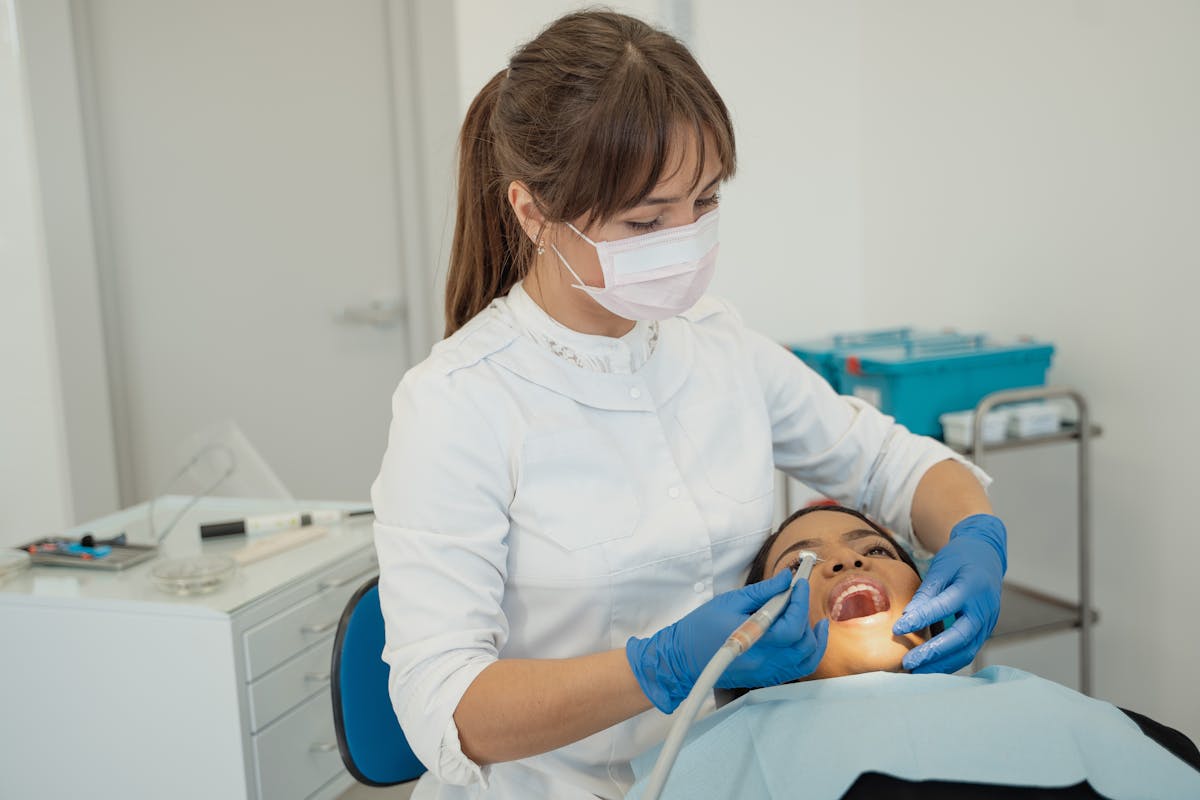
(858, 728)
(862, 584)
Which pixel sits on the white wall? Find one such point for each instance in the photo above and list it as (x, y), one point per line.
(791, 218)
(1033, 167)
(34, 483)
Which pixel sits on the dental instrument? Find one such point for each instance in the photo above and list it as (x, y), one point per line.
(267, 523)
(738, 642)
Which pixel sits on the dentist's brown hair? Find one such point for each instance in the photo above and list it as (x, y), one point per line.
(584, 115)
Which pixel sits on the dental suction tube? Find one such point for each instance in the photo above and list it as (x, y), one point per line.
(738, 642)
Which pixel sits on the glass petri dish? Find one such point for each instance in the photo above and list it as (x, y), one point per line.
(196, 575)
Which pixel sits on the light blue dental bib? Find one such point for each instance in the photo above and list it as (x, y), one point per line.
(1000, 726)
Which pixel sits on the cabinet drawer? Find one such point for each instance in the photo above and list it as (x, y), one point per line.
(291, 683)
(298, 754)
(277, 639)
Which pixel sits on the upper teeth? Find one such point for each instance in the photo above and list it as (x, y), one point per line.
(876, 595)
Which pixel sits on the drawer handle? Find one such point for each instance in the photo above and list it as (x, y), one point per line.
(325, 628)
(323, 747)
(317, 677)
(333, 584)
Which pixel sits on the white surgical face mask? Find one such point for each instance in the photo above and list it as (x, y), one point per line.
(654, 276)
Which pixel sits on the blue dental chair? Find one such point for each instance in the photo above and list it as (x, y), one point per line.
(374, 748)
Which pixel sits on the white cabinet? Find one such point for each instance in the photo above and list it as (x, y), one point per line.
(285, 655)
(147, 695)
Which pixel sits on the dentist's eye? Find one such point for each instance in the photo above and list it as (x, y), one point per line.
(645, 226)
(709, 202)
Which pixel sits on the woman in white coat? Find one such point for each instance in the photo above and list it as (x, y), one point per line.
(578, 476)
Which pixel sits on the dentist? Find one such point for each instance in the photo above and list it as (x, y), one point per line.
(578, 476)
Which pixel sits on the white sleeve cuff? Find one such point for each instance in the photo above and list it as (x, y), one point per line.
(453, 766)
(421, 708)
(892, 483)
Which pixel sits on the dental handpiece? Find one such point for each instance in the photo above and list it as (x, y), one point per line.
(752, 629)
(738, 642)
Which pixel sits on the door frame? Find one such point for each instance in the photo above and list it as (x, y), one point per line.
(55, 36)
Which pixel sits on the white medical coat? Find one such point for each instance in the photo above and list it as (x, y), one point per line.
(530, 507)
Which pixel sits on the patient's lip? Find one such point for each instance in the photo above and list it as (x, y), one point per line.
(855, 579)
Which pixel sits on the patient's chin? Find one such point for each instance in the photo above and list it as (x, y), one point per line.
(853, 650)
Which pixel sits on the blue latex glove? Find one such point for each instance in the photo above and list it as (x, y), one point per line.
(668, 663)
(964, 580)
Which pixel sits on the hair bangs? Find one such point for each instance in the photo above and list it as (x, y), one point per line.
(696, 128)
(627, 144)
(697, 112)
(639, 130)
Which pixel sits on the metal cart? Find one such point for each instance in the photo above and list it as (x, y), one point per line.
(1025, 611)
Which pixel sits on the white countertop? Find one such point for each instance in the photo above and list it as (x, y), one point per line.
(133, 590)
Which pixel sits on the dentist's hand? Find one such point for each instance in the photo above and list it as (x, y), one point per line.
(964, 580)
(668, 663)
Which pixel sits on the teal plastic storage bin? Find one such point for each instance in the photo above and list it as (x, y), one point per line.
(824, 355)
(916, 382)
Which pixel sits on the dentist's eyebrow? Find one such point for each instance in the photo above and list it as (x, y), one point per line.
(662, 201)
(813, 544)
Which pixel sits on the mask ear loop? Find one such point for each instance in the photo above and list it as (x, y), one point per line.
(580, 234)
(580, 284)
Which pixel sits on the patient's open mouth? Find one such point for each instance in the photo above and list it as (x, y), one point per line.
(857, 596)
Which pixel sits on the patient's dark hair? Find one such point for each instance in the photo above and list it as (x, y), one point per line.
(758, 567)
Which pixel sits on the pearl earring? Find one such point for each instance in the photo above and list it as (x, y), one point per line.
(542, 247)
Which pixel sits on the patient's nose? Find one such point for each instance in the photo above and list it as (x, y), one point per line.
(837, 564)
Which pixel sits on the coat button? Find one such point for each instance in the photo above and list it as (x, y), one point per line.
(673, 492)
(699, 587)
(635, 393)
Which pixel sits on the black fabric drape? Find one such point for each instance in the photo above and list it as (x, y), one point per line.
(874, 786)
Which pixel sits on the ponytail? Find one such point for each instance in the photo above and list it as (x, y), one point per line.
(489, 251)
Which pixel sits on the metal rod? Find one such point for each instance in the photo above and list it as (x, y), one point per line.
(1084, 520)
(1085, 544)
